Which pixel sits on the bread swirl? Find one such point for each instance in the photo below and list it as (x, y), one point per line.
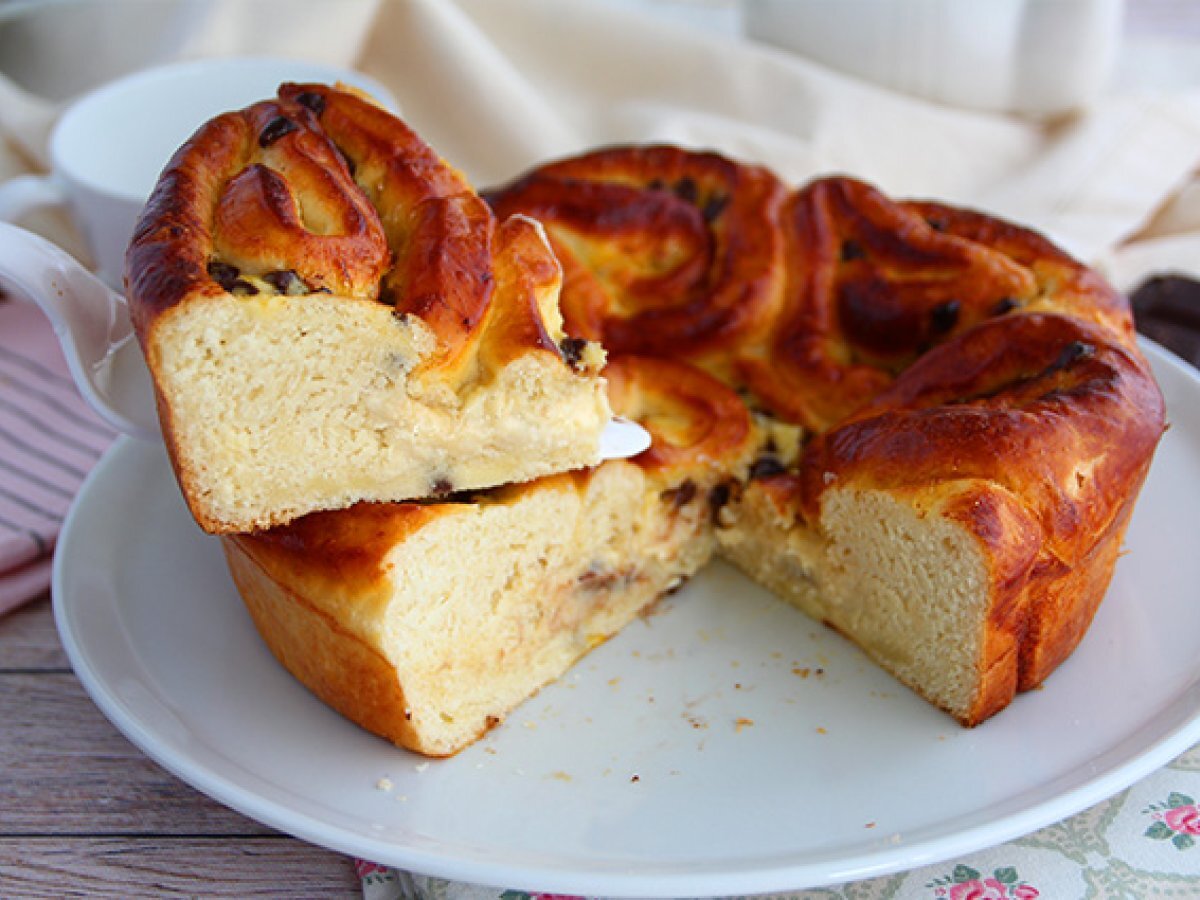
(331, 314)
(667, 252)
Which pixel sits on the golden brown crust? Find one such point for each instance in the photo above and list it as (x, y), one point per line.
(338, 666)
(666, 252)
(1051, 407)
(262, 192)
(321, 191)
(348, 550)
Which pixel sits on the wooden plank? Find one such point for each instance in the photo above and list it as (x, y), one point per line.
(66, 770)
(28, 639)
(158, 867)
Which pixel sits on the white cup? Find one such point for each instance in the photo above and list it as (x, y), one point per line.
(1035, 57)
(109, 147)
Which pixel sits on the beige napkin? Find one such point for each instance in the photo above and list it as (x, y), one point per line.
(500, 85)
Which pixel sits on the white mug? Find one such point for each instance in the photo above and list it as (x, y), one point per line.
(109, 146)
(1035, 57)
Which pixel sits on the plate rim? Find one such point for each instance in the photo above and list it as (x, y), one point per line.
(775, 875)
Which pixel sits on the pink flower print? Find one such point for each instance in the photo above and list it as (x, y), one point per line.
(1183, 819)
(1177, 819)
(965, 883)
(364, 868)
(988, 889)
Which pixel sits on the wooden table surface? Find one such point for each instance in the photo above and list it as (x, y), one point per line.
(84, 813)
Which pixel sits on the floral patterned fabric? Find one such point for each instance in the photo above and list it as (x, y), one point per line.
(1141, 843)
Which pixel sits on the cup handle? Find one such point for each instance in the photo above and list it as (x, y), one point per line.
(92, 324)
(27, 193)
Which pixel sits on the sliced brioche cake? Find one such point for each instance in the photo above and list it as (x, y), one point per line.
(331, 314)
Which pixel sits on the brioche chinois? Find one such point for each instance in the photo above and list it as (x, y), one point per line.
(976, 417)
(331, 314)
(919, 424)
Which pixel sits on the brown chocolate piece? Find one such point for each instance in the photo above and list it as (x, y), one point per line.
(1166, 309)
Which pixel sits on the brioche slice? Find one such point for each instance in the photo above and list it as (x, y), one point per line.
(427, 623)
(331, 314)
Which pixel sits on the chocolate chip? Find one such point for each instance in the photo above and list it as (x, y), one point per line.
(719, 496)
(1004, 305)
(230, 279)
(1166, 308)
(441, 487)
(766, 466)
(681, 496)
(685, 189)
(572, 351)
(852, 250)
(1071, 354)
(313, 102)
(674, 587)
(286, 281)
(224, 274)
(276, 128)
(715, 206)
(944, 316)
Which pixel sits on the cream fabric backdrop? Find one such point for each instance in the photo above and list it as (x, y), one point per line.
(500, 85)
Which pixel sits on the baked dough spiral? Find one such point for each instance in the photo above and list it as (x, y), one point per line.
(665, 252)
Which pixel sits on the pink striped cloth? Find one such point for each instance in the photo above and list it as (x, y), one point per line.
(49, 440)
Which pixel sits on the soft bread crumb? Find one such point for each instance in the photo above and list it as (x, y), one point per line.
(912, 589)
(282, 405)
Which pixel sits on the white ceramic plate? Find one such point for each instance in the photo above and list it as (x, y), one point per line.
(724, 745)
